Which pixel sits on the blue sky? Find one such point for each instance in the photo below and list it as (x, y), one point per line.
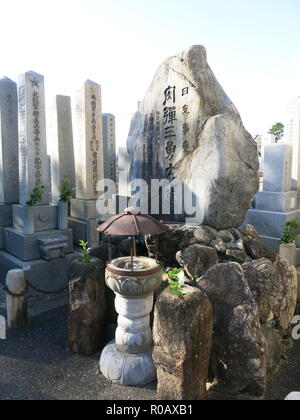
(253, 48)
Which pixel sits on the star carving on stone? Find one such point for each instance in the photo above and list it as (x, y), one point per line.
(35, 82)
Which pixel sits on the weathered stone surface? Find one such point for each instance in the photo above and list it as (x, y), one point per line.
(205, 234)
(182, 343)
(177, 237)
(16, 305)
(196, 259)
(274, 287)
(205, 141)
(269, 254)
(260, 275)
(219, 245)
(254, 249)
(236, 255)
(226, 236)
(274, 346)
(86, 307)
(250, 232)
(238, 341)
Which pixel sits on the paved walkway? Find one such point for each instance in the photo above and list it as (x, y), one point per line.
(35, 364)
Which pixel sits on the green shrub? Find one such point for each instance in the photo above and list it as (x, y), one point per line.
(66, 191)
(290, 231)
(176, 282)
(36, 195)
(85, 256)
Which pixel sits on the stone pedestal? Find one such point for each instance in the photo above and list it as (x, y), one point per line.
(128, 360)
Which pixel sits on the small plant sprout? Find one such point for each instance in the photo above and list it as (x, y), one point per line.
(66, 191)
(290, 231)
(36, 195)
(177, 282)
(85, 256)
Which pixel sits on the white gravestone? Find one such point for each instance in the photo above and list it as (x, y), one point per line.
(34, 164)
(9, 173)
(61, 145)
(278, 167)
(277, 203)
(88, 141)
(292, 137)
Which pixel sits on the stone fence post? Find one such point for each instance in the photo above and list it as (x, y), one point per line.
(16, 299)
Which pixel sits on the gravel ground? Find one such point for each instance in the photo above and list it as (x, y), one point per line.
(35, 364)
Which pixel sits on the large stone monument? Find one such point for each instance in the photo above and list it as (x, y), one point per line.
(34, 242)
(89, 164)
(9, 173)
(188, 129)
(61, 145)
(277, 203)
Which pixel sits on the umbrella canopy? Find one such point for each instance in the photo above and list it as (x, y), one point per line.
(131, 223)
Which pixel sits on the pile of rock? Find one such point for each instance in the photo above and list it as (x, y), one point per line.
(253, 293)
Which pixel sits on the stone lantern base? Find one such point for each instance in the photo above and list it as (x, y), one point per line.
(128, 360)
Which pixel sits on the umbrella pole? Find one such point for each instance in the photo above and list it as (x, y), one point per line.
(132, 252)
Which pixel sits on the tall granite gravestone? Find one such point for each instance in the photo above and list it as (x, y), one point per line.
(34, 241)
(89, 163)
(61, 145)
(277, 203)
(9, 173)
(188, 129)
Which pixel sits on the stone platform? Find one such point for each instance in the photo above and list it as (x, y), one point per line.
(44, 217)
(46, 275)
(28, 247)
(84, 230)
(270, 223)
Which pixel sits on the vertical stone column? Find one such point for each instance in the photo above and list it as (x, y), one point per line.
(88, 138)
(34, 170)
(9, 160)
(9, 154)
(89, 141)
(61, 145)
(292, 137)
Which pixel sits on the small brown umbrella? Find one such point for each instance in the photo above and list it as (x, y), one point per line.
(131, 223)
